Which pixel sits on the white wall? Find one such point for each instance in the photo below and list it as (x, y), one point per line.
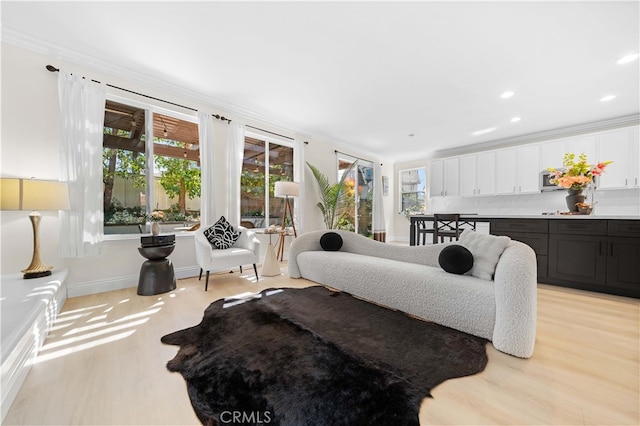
(30, 148)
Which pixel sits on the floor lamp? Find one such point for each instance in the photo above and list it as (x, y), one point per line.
(32, 194)
(284, 189)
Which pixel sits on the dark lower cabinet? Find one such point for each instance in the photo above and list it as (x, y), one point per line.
(623, 263)
(534, 233)
(591, 254)
(578, 258)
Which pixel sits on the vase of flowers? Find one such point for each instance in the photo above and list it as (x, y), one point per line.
(156, 217)
(575, 176)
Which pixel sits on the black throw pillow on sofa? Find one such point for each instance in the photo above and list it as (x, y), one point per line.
(456, 259)
(331, 241)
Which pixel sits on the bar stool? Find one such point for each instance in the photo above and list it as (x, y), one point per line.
(446, 226)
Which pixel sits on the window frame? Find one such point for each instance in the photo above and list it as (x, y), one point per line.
(150, 109)
(401, 192)
(269, 139)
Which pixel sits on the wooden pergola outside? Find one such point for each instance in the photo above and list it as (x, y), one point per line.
(130, 121)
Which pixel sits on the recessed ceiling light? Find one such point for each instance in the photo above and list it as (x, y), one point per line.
(628, 58)
(483, 131)
(608, 98)
(411, 135)
(515, 119)
(507, 94)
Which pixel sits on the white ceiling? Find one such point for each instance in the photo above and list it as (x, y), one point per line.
(367, 74)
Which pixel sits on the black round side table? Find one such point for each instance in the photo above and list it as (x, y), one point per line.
(156, 273)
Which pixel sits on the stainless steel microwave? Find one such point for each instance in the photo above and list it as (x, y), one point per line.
(545, 185)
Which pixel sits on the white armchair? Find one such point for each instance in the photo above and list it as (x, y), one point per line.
(246, 250)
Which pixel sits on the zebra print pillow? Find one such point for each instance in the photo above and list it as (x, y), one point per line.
(221, 234)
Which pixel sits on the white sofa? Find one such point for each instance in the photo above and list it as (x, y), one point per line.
(409, 279)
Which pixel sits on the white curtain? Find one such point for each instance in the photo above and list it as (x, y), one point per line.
(236, 156)
(82, 104)
(379, 228)
(298, 176)
(207, 193)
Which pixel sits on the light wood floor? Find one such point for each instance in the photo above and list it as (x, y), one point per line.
(104, 364)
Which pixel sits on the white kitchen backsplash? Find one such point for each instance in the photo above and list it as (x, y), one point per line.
(623, 202)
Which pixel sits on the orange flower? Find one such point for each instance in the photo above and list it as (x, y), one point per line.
(576, 175)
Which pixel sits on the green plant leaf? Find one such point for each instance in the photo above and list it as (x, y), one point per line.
(332, 195)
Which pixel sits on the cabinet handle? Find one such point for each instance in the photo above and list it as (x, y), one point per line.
(519, 189)
(625, 182)
(514, 189)
(636, 181)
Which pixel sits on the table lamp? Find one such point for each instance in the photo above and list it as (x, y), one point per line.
(33, 194)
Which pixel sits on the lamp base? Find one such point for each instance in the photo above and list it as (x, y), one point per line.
(36, 268)
(37, 274)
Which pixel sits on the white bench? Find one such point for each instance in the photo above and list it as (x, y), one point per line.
(28, 309)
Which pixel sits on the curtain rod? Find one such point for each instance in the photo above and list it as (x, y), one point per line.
(273, 133)
(51, 68)
(353, 156)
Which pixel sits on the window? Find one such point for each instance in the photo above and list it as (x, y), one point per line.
(145, 173)
(413, 190)
(356, 214)
(255, 200)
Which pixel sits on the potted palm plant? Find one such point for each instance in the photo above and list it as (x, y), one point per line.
(333, 196)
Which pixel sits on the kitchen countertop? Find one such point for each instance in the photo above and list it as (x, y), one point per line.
(485, 217)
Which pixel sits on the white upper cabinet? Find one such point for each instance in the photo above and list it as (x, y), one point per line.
(486, 173)
(506, 181)
(468, 175)
(553, 151)
(478, 174)
(635, 158)
(451, 177)
(622, 147)
(436, 183)
(552, 154)
(584, 144)
(518, 170)
(528, 174)
(445, 177)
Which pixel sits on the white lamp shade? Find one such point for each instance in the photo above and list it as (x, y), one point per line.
(284, 189)
(32, 194)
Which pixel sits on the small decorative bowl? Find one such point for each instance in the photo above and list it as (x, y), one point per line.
(585, 210)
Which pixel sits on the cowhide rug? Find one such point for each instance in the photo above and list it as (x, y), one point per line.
(312, 356)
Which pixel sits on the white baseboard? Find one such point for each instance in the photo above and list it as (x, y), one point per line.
(119, 283)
